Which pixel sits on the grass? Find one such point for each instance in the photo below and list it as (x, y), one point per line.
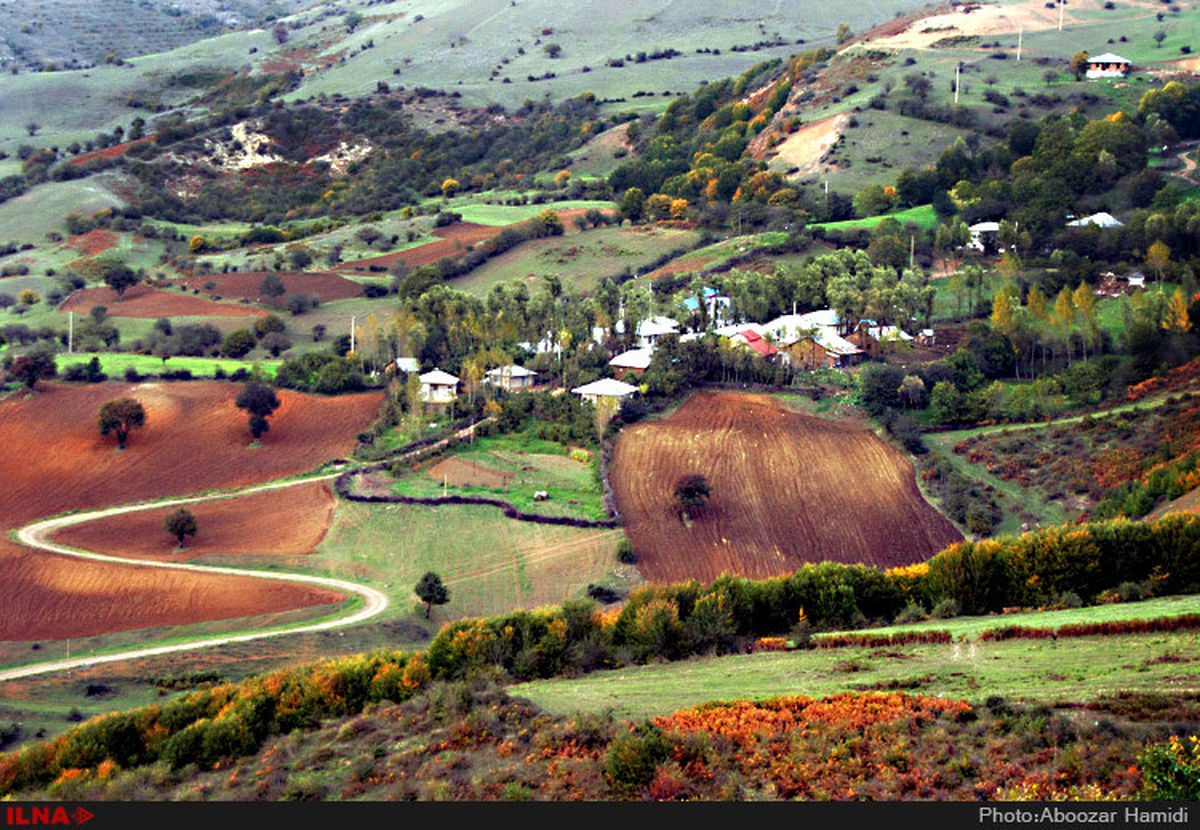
(580, 260)
(500, 215)
(923, 216)
(490, 564)
(533, 465)
(114, 364)
(1077, 669)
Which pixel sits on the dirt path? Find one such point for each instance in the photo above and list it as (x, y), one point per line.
(37, 535)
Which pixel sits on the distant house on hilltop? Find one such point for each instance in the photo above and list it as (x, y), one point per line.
(604, 388)
(1108, 65)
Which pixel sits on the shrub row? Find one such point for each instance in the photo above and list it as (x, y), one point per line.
(1184, 622)
(509, 510)
(900, 638)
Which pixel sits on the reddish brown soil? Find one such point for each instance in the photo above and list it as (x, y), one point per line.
(787, 489)
(463, 473)
(453, 240)
(116, 151)
(151, 303)
(52, 458)
(273, 523)
(244, 285)
(94, 242)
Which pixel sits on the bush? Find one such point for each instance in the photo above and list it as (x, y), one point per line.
(633, 759)
(945, 609)
(625, 552)
(913, 612)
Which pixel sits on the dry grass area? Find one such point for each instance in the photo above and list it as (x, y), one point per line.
(787, 489)
(808, 145)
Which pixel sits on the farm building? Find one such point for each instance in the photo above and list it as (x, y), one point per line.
(1100, 220)
(438, 387)
(1108, 65)
(822, 348)
(604, 388)
(511, 378)
(789, 328)
(634, 361)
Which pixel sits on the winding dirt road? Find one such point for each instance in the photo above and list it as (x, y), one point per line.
(37, 535)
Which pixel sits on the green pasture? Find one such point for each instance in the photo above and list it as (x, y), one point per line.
(490, 564)
(530, 464)
(115, 364)
(1076, 669)
(41, 210)
(923, 216)
(499, 215)
(579, 260)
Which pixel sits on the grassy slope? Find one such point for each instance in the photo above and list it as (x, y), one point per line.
(1076, 669)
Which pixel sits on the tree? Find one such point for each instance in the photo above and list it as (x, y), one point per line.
(181, 523)
(843, 33)
(121, 416)
(1157, 258)
(118, 277)
(1079, 65)
(632, 204)
(271, 286)
(238, 343)
(449, 187)
(36, 365)
(431, 591)
(691, 493)
(259, 399)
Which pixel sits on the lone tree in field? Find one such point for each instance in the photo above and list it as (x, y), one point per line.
(691, 493)
(259, 399)
(121, 416)
(119, 277)
(181, 523)
(431, 591)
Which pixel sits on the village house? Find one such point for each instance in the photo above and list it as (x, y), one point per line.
(604, 388)
(716, 306)
(820, 349)
(438, 387)
(983, 236)
(751, 339)
(652, 328)
(511, 378)
(1108, 65)
(633, 362)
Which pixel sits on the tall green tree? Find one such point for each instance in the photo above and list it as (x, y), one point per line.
(431, 591)
(180, 523)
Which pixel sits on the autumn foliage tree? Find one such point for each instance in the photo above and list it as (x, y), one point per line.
(120, 417)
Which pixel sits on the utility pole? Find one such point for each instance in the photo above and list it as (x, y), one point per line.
(352, 319)
(1061, 3)
(912, 248)
(70, 332)
(1020, 32)
(957, 82)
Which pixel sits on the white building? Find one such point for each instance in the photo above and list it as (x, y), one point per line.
(438, 387)
(1108, 65)
(1101, 219)
(652, 328)
(604, 388)
(511, 377)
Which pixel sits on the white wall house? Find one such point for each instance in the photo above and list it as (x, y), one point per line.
(604, 388)
(1108, 65)
(512, 377)
(438, 387)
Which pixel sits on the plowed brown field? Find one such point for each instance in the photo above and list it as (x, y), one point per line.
(452, 240)
(273, 523)
(52, 458)
(787, 489)
(145, 302)
(244, 285)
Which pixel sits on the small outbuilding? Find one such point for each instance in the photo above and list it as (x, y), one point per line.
(1108, 65)
(1100, 220)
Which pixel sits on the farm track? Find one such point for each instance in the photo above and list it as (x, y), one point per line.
(36, 535)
